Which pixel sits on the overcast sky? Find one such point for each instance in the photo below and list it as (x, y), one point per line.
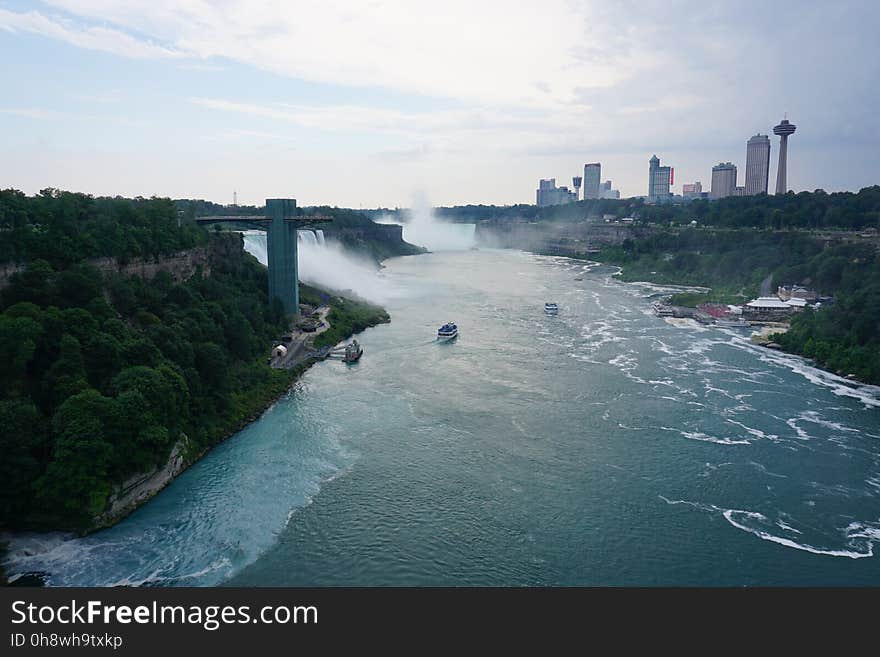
(364, 104)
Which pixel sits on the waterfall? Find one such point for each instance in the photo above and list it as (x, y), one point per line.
(255, 244)
(306, 237)
(326, 265)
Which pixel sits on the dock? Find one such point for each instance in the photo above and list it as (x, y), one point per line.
(298, 343)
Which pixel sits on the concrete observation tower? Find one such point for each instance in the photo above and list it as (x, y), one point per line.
(784, 129)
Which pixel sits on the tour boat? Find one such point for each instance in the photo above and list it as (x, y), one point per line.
(448, 331)
(353, 352)
(551, 308)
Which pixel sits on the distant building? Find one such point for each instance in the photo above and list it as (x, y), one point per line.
(788, 292)
(545, 187)
(610, 193)
(739, 191)
(576, 183)
(692, 190)
(549, 194)
(723, 180)
(767, 309)
(592, 178)
(659, 180)
(606, 185)
(757, 165)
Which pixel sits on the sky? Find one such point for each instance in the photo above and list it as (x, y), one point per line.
(370, 103)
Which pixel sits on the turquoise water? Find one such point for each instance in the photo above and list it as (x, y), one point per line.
(602, 446)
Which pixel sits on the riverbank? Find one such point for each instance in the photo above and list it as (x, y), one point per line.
(346, 318)
(775, 336)
(349, 317)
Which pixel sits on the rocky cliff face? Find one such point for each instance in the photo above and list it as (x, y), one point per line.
(181, 266)
(141, 487)
(379, 241)
(567, 239)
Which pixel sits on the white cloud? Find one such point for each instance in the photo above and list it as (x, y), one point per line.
(384, 120)
(32, 113)
(488, 51)
(89, 37)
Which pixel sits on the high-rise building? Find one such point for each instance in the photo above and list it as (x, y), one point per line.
(592, 180)
(757, 165)
(784, 129)
(606, 185)
(545, 186)
(659, 180)
(549, 194)
(723, 180)
(692, 190)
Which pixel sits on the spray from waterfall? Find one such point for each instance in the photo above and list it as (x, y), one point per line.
(423, 228)
(327, 265)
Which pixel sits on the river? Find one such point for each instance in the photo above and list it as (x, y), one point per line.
(602, 446)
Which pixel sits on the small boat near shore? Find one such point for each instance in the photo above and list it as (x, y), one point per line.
(353, 352)
(551, 308)
(448, 331)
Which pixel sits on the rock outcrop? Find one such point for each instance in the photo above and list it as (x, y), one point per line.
(222, 248)
(139, 488)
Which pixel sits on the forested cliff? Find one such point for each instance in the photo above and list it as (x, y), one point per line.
(103, 373)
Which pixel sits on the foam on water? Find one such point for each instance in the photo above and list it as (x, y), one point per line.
(209, 523)
(745, 520)
(858, 537)
(702, 437)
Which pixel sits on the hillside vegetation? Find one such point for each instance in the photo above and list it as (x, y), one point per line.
(843, 337)
(101, 374)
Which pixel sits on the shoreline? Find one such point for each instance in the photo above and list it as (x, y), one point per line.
(762, 341)
(186, 460)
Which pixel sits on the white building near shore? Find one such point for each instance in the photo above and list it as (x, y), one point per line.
(766, 309)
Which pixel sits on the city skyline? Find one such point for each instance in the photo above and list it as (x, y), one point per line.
(365, 106)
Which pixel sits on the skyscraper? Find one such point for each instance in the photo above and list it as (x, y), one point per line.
(659, 180)
(723, 180)
(757, 165)
(549, 194)
(784, 129)
(592, 178)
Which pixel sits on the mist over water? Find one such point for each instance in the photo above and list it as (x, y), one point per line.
(327, 265)
(423, 228)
